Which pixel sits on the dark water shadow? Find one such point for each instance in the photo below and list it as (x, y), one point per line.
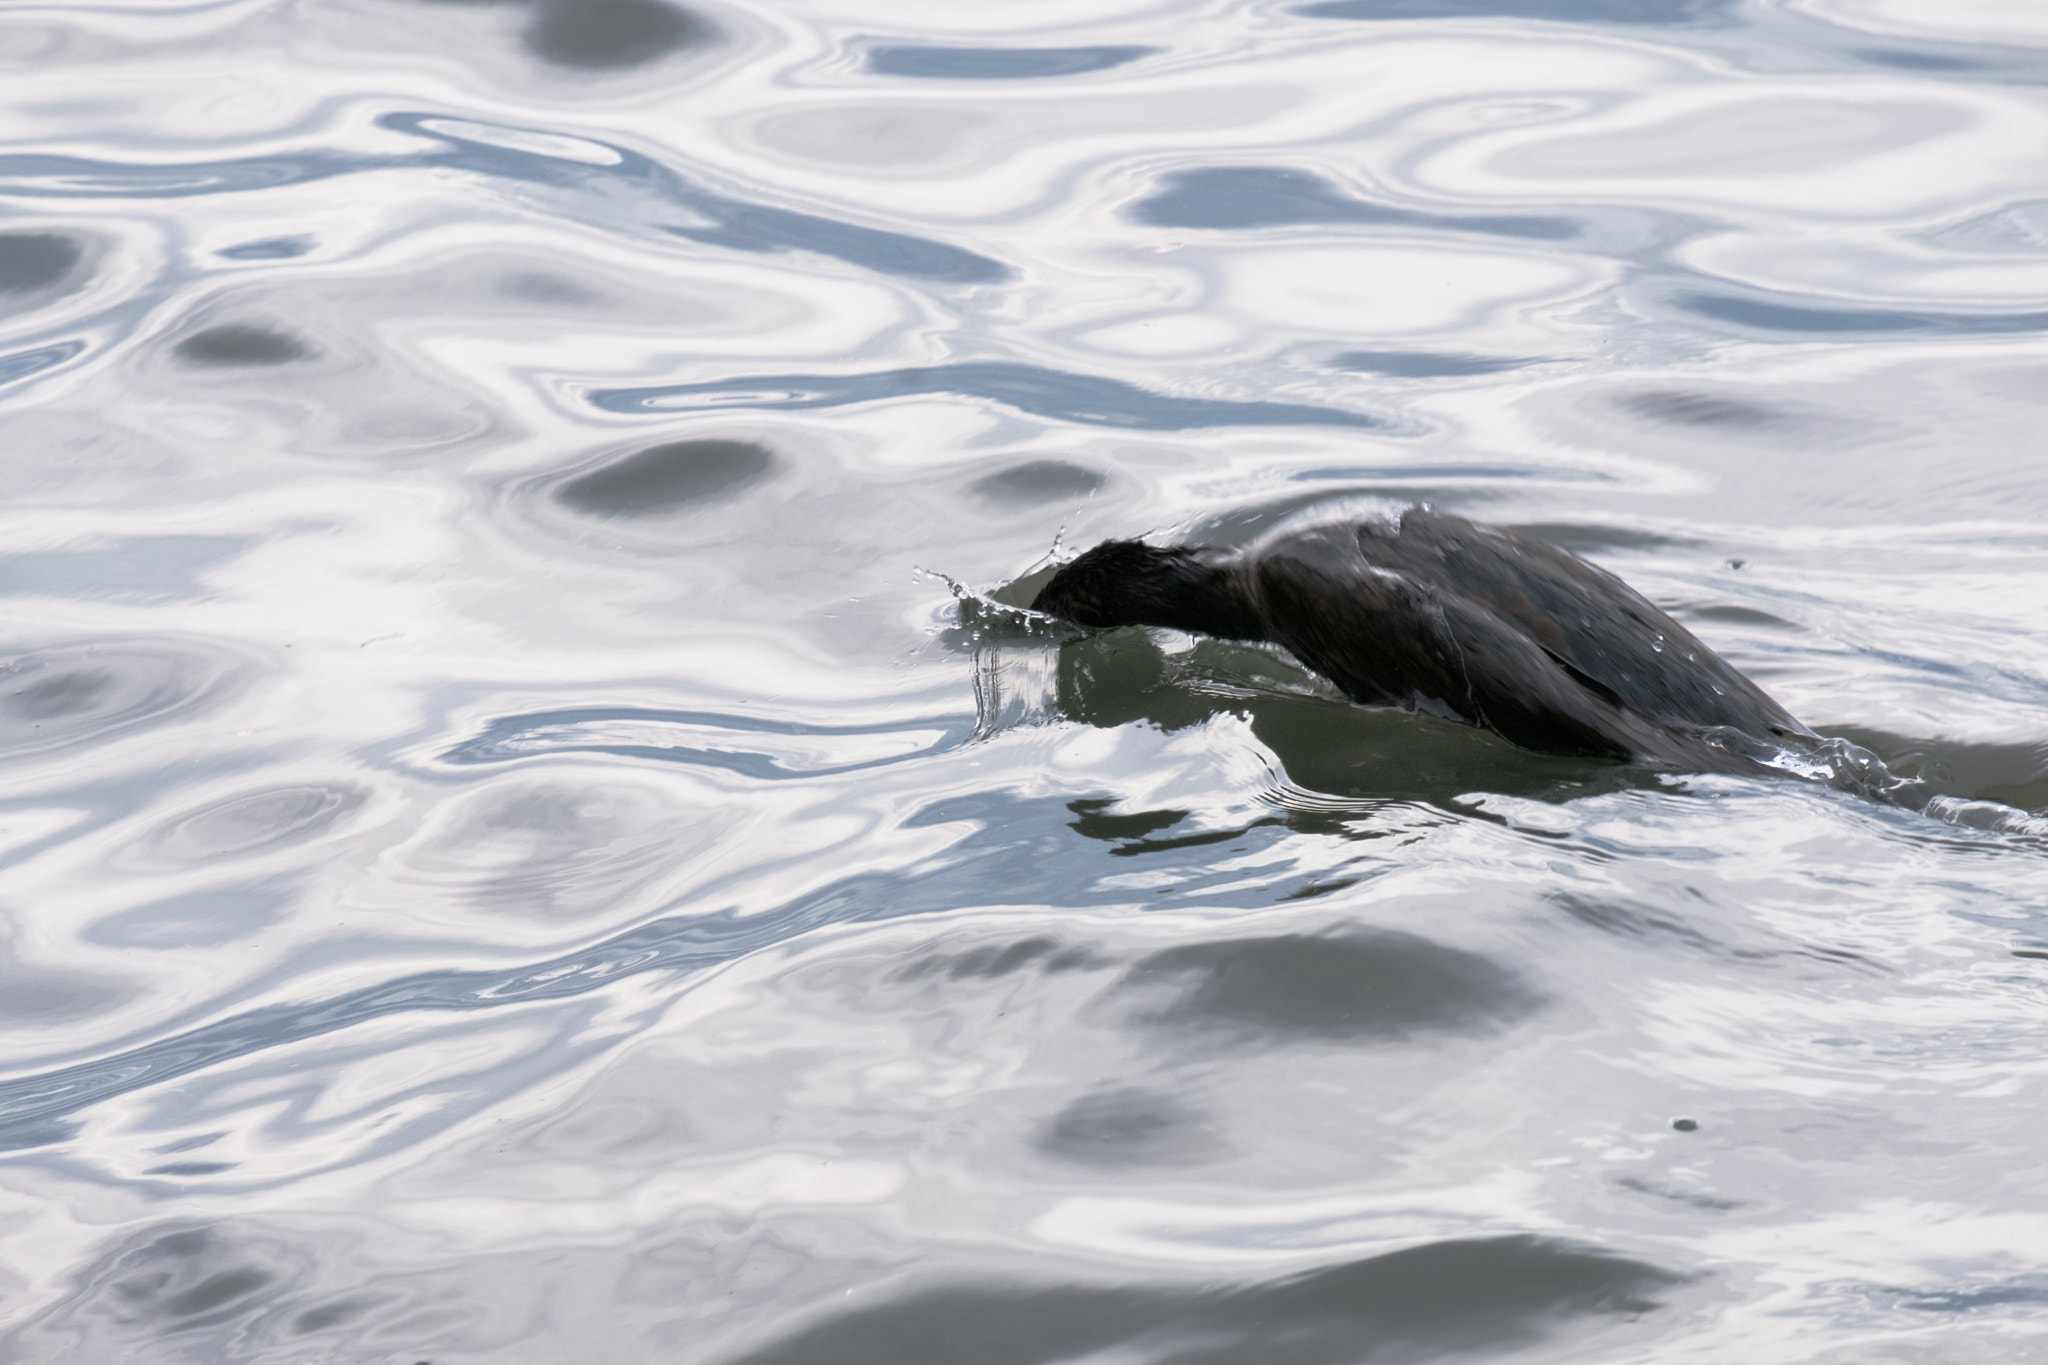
(1556, 11)
(667, 478)
(1351, 986)
(1129, 1126)
(1238, 197)
(70, 696)
(997, 63)
(164, 1283)
(1036, 482)
(1338, 755)
(237, 345)
(1693, 408)
(1131, 832)
(611, 35)
(1327, 746)
(36, 262)
(1438, 1300)
(591, 36)
(1052, 394)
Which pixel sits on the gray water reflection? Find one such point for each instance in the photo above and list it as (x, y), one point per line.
(662, 478)
(1421, 364)
(276, 249)
(232, 345)
(69, 696)
(621, 174)
(1224, 197)
(1129, 1126)
(1039, 481)
(1555, 11)
(600, 35)
(997, 63)
(33, 261)
(148, 567)
(21, 364)
(1450, 1298)
(1383, 986)
(536, 825)
(1787, 317)
(195, 919)
(1029, 388)
(742, 743)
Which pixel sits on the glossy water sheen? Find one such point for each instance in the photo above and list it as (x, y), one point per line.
(514, 851)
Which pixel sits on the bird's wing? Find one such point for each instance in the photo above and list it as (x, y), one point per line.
(1602, 632)
(1386, 637)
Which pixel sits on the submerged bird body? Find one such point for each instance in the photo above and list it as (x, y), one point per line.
(1440, 614)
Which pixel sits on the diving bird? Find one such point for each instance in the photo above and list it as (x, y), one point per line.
(1475, 623)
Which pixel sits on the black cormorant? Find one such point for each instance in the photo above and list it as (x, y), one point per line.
(1456, 618)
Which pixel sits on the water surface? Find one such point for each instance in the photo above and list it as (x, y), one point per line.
(516, 851)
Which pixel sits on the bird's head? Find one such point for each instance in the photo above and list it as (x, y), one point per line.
(1130, 583)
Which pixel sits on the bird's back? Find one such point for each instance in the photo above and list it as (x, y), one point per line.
(1501, 629)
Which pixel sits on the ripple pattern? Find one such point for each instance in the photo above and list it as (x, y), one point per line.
(540, 820)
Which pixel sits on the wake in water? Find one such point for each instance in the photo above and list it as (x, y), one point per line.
(1018, 680)
(1851, 768)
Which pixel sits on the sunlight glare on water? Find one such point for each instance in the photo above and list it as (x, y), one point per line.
(534, 829)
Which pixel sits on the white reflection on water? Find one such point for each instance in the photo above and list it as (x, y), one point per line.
(514, 848)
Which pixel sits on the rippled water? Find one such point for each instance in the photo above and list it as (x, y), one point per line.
(516, 852)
